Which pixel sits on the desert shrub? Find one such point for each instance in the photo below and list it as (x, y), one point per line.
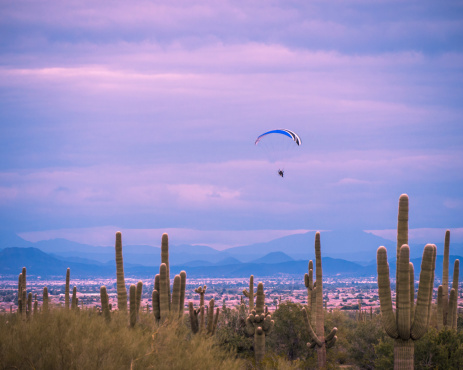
(231, 334)
(84, 340)
(362, 339)
(289, 336)
(442, 350)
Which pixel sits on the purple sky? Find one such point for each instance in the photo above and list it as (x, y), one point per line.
(143, 115)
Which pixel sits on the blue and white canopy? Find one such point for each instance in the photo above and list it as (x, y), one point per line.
(282, 131)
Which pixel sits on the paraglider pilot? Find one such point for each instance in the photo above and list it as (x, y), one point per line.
(281, 173)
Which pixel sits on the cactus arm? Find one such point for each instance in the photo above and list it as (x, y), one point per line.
(451, 315)
(331, 335)
(250, 330)
(431, 287)
(175, 307)
(165, 259)
(251, 293)
(312, 335)
(164, 291)
(440, 321)
(420, 321)
(311, 345)
(403, 307)
(121, 289)
(412, 291)
(246, 293)
(133, 304)
(331, 342)
(402, 238)
(260, 300)
(384, 292)
(182, 292)
(445, 277)
(456, 273)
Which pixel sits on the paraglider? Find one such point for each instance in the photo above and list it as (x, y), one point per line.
(278, 145)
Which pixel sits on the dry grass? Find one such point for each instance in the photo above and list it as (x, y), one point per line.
(85, 340)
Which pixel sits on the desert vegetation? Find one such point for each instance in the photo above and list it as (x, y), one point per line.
(419, 334)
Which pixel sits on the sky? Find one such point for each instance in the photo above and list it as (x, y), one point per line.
(141, 116)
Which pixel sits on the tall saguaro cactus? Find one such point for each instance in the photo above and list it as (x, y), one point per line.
(259, 323)
(410, 321)
(165, 303)
(66, 289)
(250, 294)
(318, 335)
(447, 307)
(121, 288)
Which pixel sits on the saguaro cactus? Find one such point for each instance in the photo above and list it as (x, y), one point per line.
(211, 318)
(66, 289)
(318, 335)
(193, 318)
(250, 294)
(139, 292)
(410, 321)
(74, 299)
(447, 307)
(20, 293)
(105, 303)
(36, 304)
(201, 291)
(29, 304)
(259, 324)
(121, 288)
(45, 299)
(133, 305)
(166, 304)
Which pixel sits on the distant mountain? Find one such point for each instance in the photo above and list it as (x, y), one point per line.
(347, 244)
(39, 263)
(331, 267)
(274, 257)
(9, 239)
(228, 261)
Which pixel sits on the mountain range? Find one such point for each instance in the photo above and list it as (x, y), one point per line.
(287, 255)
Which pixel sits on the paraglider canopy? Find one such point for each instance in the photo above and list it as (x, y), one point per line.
(278, 145)
(282, 131)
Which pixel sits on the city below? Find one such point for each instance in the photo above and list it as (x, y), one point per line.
(344, 294)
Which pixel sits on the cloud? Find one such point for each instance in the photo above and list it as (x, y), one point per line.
(145, 114)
